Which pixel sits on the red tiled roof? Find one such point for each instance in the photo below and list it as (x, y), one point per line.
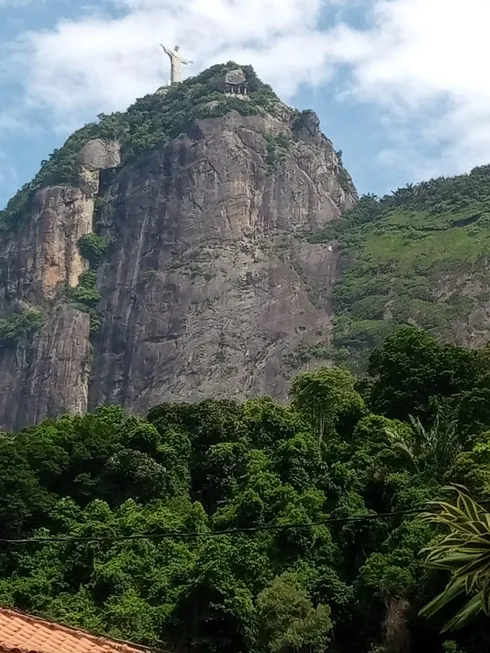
(23, 633)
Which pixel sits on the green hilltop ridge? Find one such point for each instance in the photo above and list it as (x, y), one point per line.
(418, 256)
(151, 120)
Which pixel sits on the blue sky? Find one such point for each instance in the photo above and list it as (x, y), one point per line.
(401, 86)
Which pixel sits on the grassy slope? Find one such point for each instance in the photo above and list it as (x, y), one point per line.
(419, 256)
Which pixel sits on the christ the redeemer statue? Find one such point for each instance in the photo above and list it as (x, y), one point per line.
(176, 61)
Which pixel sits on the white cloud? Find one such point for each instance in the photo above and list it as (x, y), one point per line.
(422, 63)
(101, 63)
(425, 63)
(16, 3)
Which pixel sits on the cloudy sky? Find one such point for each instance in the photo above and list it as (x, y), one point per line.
(401, 86)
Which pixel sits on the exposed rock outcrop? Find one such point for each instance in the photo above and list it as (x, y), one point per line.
(48, 373)
(208, 288)
(95, 156)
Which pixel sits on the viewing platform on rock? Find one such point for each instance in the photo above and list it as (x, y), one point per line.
(236, 84)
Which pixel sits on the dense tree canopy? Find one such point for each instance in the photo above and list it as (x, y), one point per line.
(292, 584)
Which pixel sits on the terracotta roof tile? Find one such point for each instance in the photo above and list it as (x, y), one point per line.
(22, 633)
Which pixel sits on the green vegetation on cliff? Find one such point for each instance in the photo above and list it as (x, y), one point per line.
(93, 249)
(20, 325)
(153, 119)
(420, 420)
(86, 292)
(85, 296)
(418, 256)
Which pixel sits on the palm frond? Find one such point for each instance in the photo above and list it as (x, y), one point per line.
(464, 552)
(452, 590)
(465, 615)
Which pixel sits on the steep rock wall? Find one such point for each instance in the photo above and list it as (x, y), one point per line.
(209, 289)
(48, 372)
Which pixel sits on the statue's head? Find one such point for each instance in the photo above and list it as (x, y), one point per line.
(177, 48)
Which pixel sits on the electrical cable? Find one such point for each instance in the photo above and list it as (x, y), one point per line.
(198, 534)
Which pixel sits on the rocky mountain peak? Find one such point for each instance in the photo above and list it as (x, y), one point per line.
(160, 253)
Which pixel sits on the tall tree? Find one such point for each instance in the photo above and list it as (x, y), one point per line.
(324, 396)
(288, 621)
(413, 370)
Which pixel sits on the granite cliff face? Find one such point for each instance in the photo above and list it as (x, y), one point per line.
(208, 287)
(47, 371)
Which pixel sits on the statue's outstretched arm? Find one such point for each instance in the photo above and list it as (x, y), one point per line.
(165, 49)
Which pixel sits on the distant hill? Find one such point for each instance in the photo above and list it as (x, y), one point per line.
(419, 256)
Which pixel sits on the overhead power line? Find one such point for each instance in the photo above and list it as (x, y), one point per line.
(206, 534)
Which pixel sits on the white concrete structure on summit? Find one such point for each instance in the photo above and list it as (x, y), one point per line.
(176, 61)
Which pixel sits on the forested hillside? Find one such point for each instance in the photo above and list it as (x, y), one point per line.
(283, 581)
(418, 256)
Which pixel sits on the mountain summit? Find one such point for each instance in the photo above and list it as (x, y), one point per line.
(160, 254)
